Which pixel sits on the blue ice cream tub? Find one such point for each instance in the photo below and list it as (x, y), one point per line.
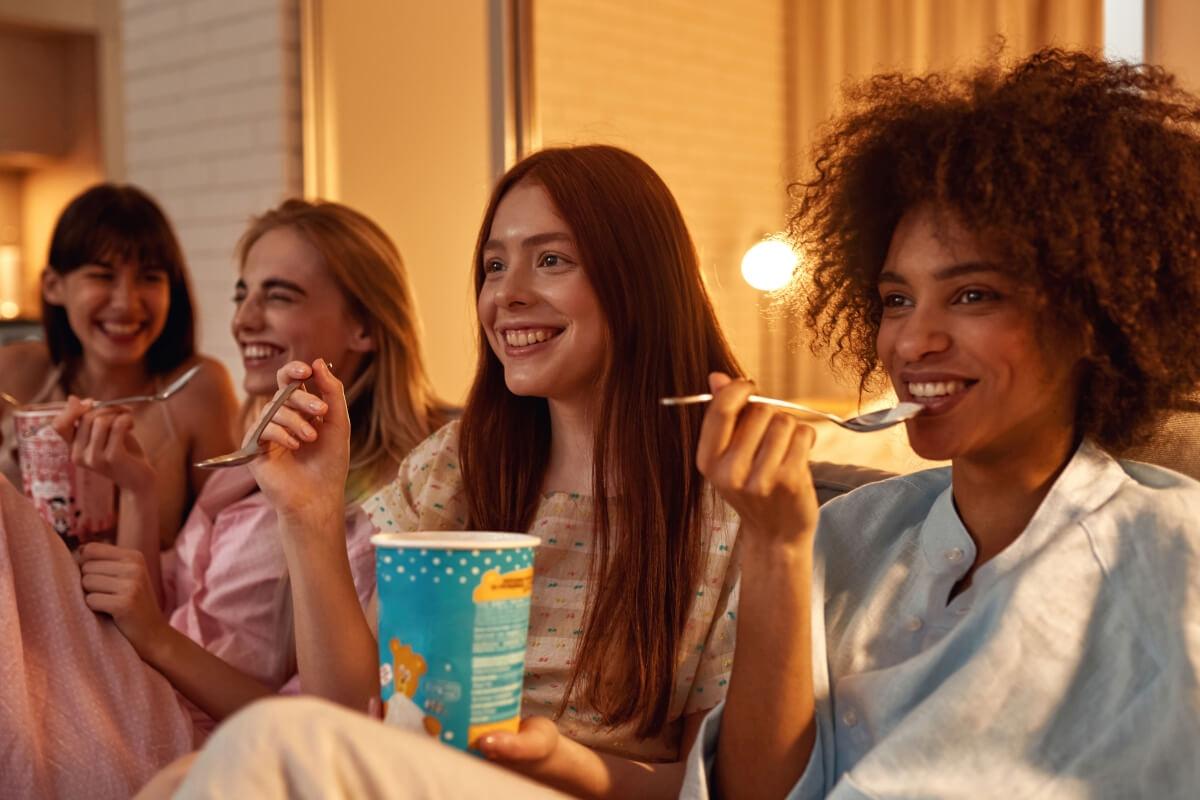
(453, 624)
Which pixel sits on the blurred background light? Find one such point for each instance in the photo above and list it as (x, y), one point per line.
(10, 281)
(1125, 30)
(768, 265)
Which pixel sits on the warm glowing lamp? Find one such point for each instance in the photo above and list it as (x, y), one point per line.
(769, 264)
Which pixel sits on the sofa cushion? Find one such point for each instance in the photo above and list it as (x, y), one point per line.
(1176, 441)
(832, 480)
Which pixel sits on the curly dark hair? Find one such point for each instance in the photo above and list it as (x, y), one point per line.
(1081, 175)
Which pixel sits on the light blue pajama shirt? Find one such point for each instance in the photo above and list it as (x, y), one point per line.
(1068, 669)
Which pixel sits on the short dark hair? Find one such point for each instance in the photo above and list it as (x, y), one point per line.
(1081, 175)
(112, 223)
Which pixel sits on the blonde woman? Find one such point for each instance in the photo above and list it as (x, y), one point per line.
(133, 670)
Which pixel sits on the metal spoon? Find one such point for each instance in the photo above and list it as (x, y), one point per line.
(863, 423)
(174, 387)
(251, 449)
(8, 398)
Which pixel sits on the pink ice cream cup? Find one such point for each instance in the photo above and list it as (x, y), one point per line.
(76, 502)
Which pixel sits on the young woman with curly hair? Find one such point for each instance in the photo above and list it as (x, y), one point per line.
(1019, 251)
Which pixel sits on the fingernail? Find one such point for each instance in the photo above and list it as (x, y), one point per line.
(329, 365)
(298, 371)
(316, 406)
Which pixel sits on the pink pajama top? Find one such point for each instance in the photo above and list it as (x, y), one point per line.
(225, 582)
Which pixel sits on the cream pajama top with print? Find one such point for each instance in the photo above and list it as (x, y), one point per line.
(428, 494)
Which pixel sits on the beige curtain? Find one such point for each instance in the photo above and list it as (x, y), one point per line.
(835, 41)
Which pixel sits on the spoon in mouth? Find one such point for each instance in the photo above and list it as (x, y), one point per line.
(863, 423)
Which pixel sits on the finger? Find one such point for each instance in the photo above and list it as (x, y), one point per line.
(97, 442)
(104, 602)
(290, 421)
(306, 402)
(105, 584)
(292, 371)
(772, 451)
(332, 392)
(122, 428)
(113, 569)
(734, 465)
(294, 423)
(66, 420)
(277, 434)
(796, 462)
(83, 437)
(535, 741)
(720, 420)
(103, 551)
(717, 381)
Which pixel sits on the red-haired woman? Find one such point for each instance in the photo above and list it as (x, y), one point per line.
(591, 307)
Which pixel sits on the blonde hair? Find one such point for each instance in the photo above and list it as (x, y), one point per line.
(391, 401)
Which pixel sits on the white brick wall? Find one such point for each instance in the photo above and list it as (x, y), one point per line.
(212, 127)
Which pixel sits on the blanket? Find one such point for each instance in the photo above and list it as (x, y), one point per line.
(81, 715)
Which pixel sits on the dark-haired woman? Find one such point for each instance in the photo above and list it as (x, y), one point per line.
(1017, 251)
(591, 307)
(118, 320)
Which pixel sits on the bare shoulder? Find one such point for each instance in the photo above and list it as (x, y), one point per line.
(24, 367)
(210, 394)
(213, 375)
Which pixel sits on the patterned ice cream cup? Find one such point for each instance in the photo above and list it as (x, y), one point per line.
(76, 502)
(453, 621)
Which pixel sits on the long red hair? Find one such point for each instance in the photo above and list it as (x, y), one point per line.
(664, 340)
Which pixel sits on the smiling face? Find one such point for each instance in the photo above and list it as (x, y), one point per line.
(961, 337)
(537, 307)
(289, 307)
(117, 310)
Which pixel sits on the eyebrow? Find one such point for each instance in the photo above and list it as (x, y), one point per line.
(533, 241)
(275, 283)
(944, 273)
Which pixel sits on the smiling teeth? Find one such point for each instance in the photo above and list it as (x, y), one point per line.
(939, 389)
(256, 351)
(524, 338)
(120, 328)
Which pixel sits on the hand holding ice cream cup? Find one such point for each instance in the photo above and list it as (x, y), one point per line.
(453, 624)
